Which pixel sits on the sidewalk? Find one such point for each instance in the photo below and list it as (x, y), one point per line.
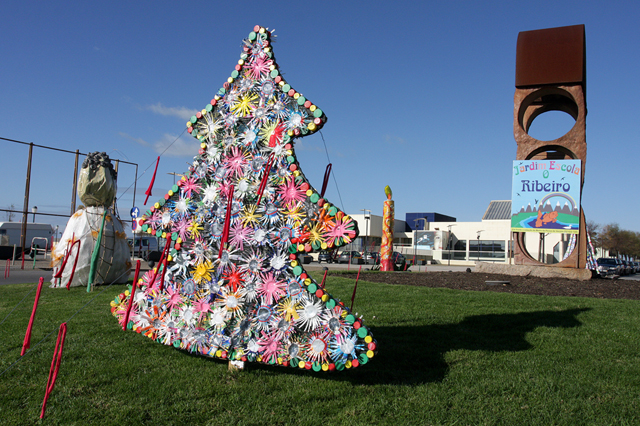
(43, 269)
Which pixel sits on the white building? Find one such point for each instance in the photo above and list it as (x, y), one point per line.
(458, 243)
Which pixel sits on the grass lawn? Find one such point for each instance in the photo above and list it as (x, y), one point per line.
(445, 358)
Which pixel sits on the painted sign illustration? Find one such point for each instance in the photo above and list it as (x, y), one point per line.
(545, 196)
(425, 240)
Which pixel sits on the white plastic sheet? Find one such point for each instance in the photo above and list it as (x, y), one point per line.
(114, 262)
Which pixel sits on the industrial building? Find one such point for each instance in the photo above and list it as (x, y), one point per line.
(438, 238)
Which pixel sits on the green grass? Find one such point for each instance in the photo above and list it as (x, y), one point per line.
(445, 358)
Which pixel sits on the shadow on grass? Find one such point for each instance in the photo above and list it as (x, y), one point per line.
(412, 355)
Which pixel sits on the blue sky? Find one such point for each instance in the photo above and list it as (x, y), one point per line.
(419, 96)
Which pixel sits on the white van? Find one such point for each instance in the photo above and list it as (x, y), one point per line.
(142, 246)
(11, 232)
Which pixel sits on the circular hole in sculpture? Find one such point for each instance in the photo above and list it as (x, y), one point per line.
(551, 125)
(549, 248)
(548, 114)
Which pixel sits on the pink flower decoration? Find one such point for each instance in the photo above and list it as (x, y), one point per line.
(269, 346)
(188, 186)
(240, 234)
(201, 306)
(270, 288)
(289, 191)
(175, 299)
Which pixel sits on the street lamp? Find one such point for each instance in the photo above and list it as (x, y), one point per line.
(174, 176)
(367, 217)
(34, 210)
(449, 245)
(479, 247)
(415, 234)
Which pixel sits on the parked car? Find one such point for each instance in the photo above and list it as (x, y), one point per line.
(350, 257)
(325, 256)
(398, 258)
(370, 257)
(624, 268)
(147, 248)
(609, 267)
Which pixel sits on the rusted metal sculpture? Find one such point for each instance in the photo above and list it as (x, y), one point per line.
(551, 76)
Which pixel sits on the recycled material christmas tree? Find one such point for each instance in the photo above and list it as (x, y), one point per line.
(235, 224)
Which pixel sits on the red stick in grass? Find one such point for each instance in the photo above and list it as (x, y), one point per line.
(64, 263)
(133, 291)
(165, 253)
(27, 337)
(355, 287)
(324, 278)
(153, 179)
(163, 262)
(55, 365)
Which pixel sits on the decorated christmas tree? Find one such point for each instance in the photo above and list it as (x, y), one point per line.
(232, 284)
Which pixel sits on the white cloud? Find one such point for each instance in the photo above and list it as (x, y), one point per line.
(137, 140)
(181, 112)
(392, 139)
(184, 146)
(301, 145)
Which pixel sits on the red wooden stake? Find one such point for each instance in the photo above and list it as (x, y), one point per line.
(133, 292)
(163, 262)
(64, 263)
(27, 337)
(7, 268)
(55, 365)
(155, 274)
(355, 287)
(324, 278)
(153, 179)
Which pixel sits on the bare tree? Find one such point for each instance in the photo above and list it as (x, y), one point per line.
(9, 215)
(593, 229)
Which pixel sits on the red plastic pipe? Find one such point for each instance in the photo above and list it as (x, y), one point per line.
(55, 365)
(133, 292)
(27, 337)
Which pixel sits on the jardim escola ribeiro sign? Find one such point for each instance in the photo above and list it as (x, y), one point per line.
(545, 196)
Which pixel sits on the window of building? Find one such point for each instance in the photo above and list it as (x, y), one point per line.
(486, 249)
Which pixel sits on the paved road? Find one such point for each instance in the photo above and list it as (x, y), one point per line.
(28, 275)
(42, 269)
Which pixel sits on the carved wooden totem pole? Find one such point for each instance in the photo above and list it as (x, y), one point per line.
(551, 76)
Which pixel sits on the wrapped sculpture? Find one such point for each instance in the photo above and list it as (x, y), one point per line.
(93, 248)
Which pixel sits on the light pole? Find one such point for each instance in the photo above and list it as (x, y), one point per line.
(415, 235)
(174, 176)
(367, 217)
(57, 227)
(479, 247)
(34, 210)
(449, 245)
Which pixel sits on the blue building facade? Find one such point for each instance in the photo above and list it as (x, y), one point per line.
(414, 220)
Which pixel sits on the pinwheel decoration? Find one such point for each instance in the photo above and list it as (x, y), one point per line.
(232, 284)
